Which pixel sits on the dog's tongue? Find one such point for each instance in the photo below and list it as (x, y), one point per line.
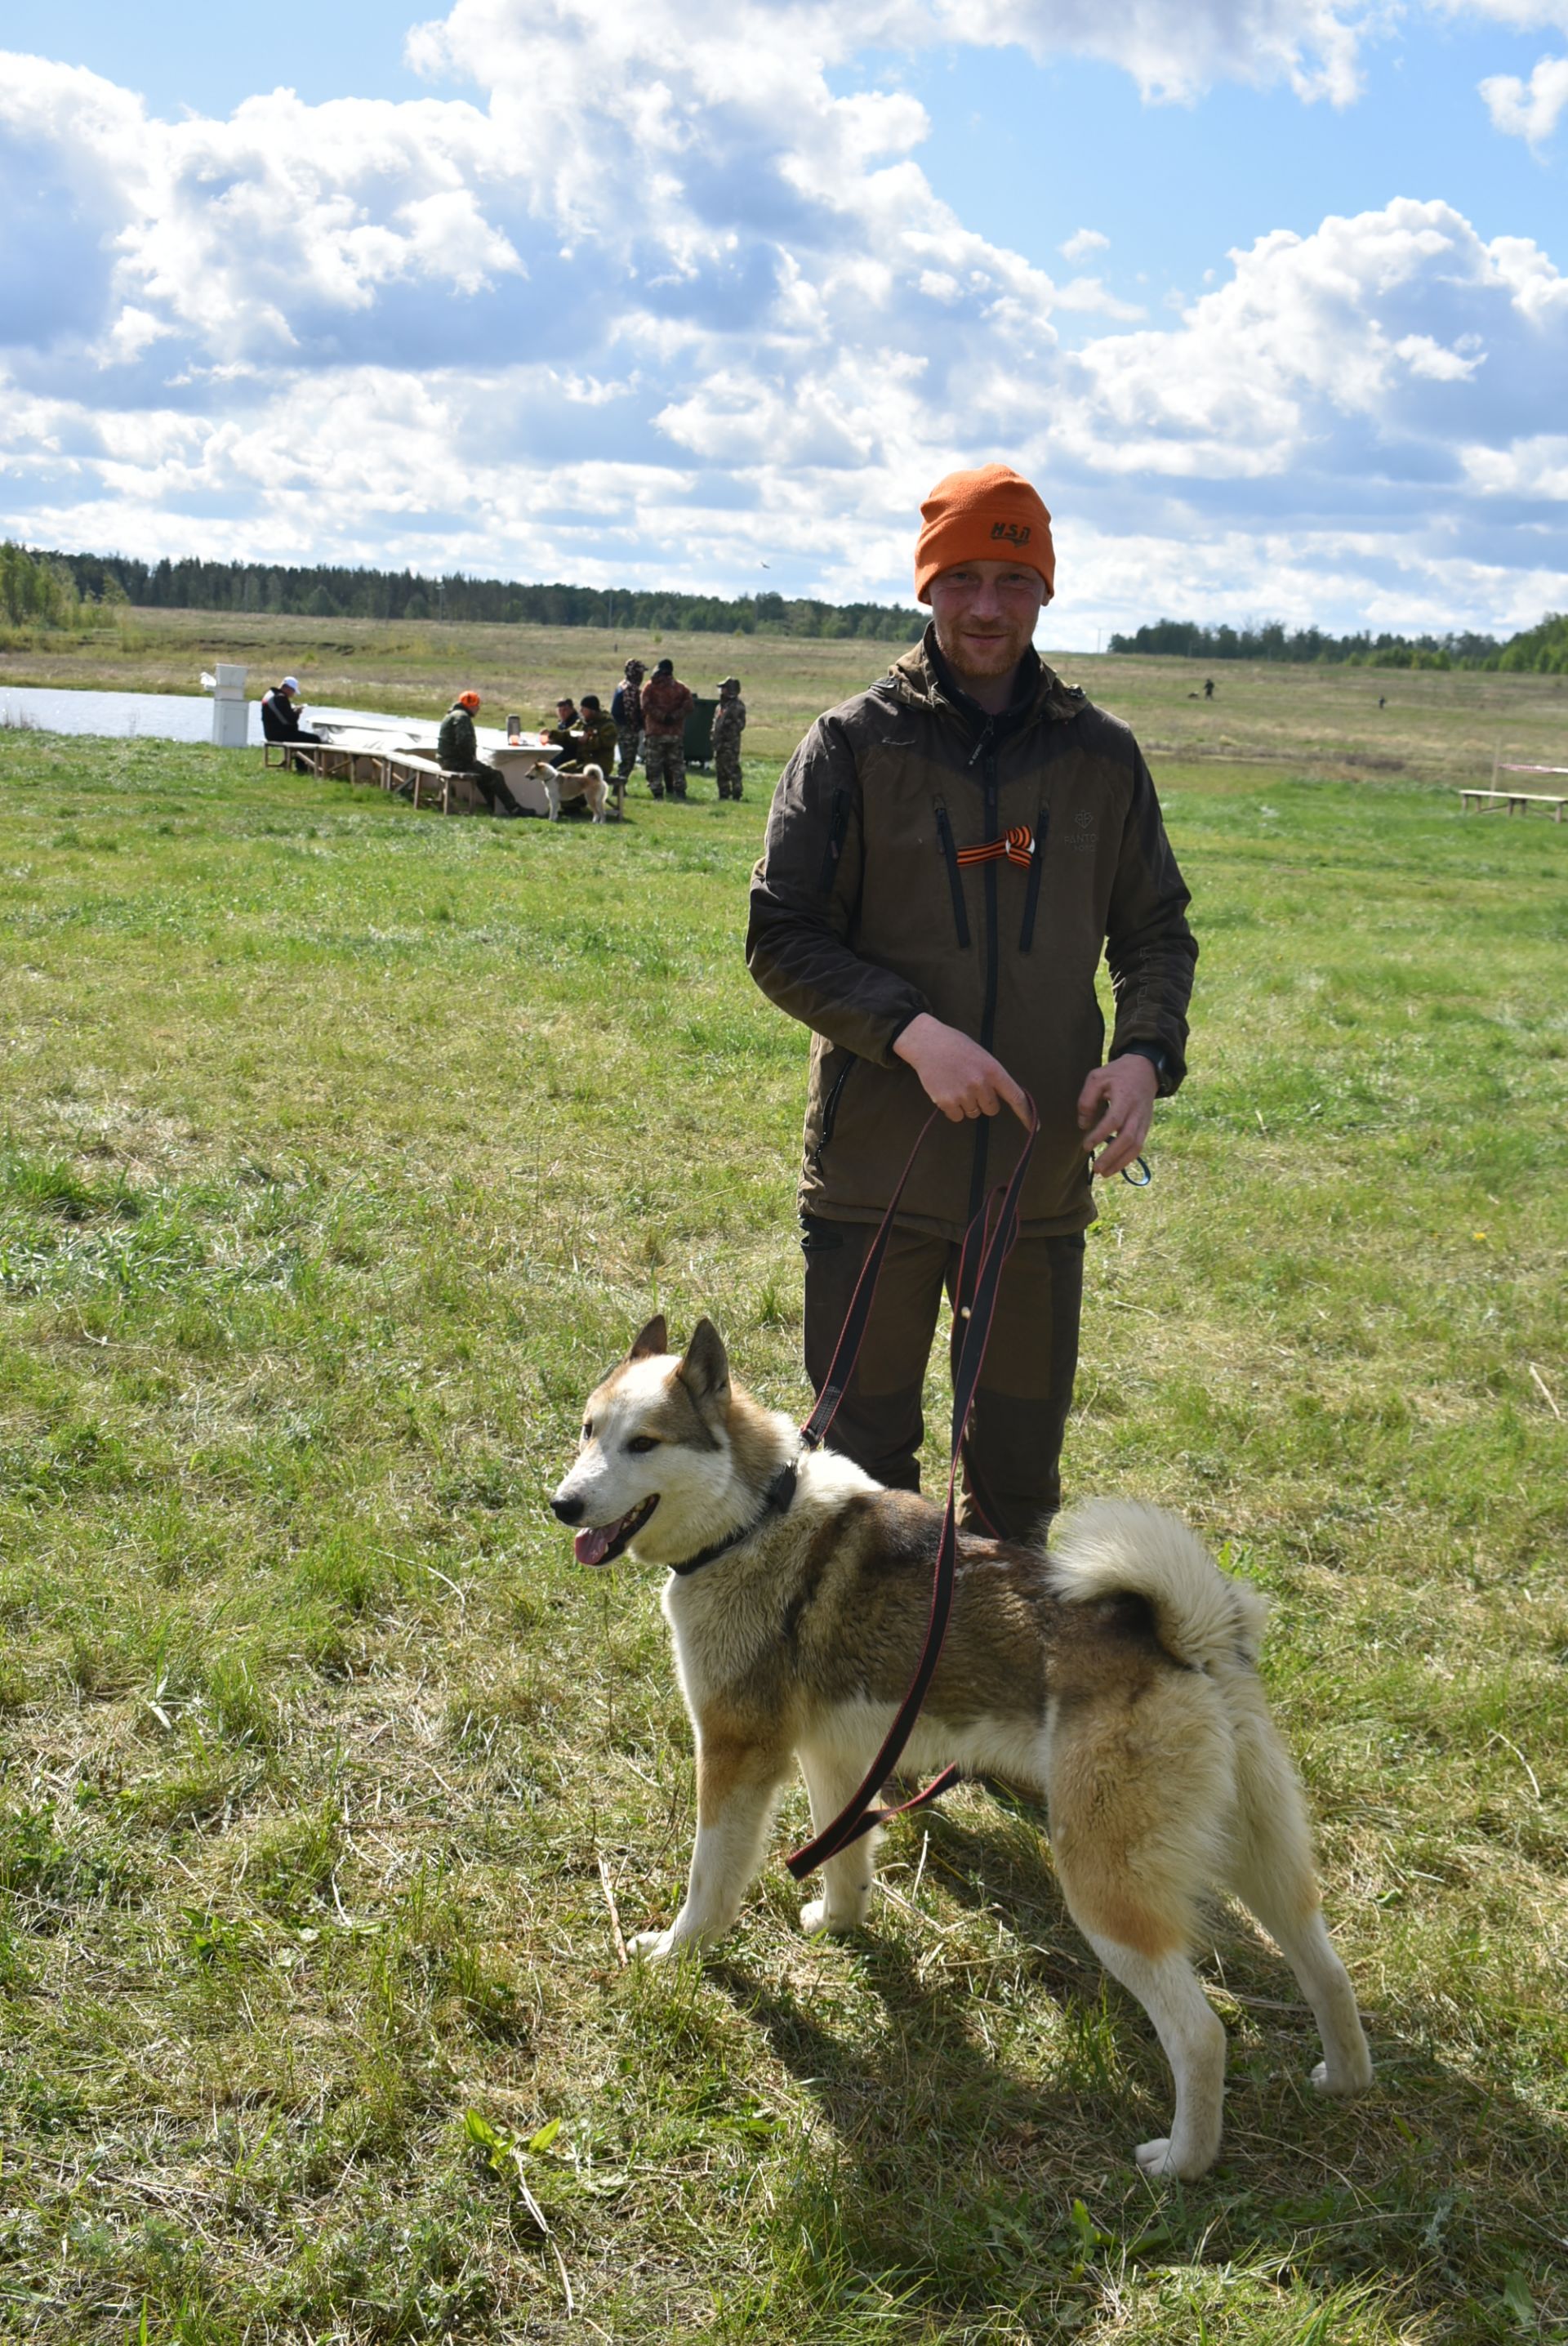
(592, 1547)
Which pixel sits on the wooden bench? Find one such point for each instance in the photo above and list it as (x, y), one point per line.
(1510, 801)
(423, 780)
(285, 753)
(330, 763)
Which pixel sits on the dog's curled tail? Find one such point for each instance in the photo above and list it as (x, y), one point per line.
(1121, 1547)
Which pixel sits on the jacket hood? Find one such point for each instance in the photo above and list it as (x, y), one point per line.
(913, 681)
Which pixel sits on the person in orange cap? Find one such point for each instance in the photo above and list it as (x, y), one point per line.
(948, 855)
(457, 748)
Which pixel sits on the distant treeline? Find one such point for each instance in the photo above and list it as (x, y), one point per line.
(40, 591)
(319, 591)
(1542, 651)
(44, 589)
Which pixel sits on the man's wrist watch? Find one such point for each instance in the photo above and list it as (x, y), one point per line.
(1157, 1058)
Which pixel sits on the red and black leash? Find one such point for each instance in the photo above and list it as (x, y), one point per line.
(994, 1230)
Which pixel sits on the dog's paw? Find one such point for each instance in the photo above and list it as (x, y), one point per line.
(814, 1917)
(1157, 2159)
(1345, 2079)
(652, 1946)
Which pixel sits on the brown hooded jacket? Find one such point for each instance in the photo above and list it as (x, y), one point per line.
(863, 916)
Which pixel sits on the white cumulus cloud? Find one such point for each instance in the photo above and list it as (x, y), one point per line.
(746, 329)
(1532, 109)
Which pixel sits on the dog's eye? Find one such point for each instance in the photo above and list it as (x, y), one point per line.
(641, 1441)
(588, 1429)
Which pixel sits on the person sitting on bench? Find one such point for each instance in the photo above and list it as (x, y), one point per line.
(457, 752)
(281, 719)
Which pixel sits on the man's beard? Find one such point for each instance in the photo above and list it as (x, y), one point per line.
(985, 654)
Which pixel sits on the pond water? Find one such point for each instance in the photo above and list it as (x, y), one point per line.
(122, 716)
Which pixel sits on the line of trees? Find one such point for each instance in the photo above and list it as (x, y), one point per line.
(327, 591)
(43, 590)
(40, 591)
(1542, 651)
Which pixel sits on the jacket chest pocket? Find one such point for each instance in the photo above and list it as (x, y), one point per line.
(949, 849)
(1031, 885)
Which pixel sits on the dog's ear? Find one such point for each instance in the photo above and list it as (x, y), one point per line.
(705, 1371)
(652, 1340)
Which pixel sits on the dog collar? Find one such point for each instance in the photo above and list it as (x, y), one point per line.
(778, 1500)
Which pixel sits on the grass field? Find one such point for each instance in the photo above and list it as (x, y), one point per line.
(1435, 727)
(341, 1149)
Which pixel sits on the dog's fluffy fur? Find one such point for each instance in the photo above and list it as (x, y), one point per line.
(588, 782)
(1114, 1677)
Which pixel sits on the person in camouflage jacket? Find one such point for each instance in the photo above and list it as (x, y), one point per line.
(626, 713)
(947, 857)
(729, 725)
(665, 705)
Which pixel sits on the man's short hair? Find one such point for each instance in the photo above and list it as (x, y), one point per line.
(589, 701)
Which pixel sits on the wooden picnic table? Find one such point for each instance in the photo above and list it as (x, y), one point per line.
(394, 757)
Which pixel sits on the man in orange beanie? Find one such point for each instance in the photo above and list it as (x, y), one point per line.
(947, 857)
(457, 752)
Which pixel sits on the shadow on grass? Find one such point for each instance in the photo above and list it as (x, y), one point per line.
(955, 2168)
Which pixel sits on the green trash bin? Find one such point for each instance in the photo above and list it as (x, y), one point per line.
(698, 738)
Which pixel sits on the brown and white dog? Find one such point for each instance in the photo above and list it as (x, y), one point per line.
(587, 782)
(1114, 1677)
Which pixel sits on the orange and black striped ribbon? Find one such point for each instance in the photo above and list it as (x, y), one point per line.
(1018, 847)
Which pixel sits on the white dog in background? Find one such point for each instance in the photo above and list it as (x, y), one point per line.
(588, 784)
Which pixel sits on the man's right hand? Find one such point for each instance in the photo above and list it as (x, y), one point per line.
(960, 1078)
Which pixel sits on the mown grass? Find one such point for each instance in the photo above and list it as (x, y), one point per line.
(341, 1148)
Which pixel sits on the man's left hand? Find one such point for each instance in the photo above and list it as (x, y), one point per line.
(1116, 1106)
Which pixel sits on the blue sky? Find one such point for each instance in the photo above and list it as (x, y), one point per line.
(1175, 187)
(641, 293)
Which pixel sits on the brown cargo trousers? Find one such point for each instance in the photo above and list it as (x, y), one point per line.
(1012, 1457)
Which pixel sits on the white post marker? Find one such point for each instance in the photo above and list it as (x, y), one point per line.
(230, 709)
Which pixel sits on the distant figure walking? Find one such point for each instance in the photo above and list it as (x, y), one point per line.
(665, 705)
(281, 719)
(729, 725)
(1208, 688)
(626, 713)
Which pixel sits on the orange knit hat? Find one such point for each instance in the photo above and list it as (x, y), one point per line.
(468, 700)
(989, 516)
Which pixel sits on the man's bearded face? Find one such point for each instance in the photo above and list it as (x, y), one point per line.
(985, 614)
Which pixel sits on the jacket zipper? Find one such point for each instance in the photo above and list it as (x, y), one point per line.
(1031, 885)
(985, 750)
(831, 1113)
(954, 882)
(838, 824)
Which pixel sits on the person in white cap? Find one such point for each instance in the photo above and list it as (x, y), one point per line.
(280, 717)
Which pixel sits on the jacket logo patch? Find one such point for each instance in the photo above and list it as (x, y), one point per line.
(1084, 833)
(1015, 533)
